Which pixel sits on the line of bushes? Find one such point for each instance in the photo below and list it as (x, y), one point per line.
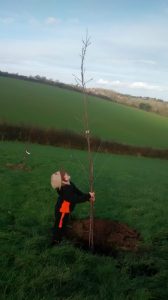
(41, 79)
(55, 83)
(70, 139)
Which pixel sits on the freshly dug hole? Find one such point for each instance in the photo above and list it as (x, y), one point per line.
(109, 236)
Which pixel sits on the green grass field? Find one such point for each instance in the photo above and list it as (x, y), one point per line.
(45, 106)
(128, 189)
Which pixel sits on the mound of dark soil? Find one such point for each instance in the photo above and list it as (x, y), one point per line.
(109, 236)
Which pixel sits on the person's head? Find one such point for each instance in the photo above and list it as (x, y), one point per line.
(59, 179)
(65, 177)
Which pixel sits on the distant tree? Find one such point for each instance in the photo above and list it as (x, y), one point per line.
(145, 106)
(37, 77)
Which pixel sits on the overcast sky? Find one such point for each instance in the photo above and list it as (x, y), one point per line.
(129, 42)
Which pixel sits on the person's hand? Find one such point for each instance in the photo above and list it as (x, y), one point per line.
(92, 196)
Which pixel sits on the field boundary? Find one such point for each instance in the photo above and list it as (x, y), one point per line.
(70, 139)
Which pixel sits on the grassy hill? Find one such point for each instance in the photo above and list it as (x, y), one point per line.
(46, 106)
(136, 195)
(30, 269)
(157, 106)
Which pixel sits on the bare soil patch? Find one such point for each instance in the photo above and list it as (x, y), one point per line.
(109, 236)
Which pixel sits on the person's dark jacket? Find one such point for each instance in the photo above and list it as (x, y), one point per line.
(72, 194)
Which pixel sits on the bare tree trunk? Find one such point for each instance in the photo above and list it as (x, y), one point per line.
(82, 83)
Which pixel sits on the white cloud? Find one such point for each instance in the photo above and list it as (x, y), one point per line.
(102, 81)
(116, 83)
(111, 83)
(52, 21)
(39, 24)
(143, 61)
(148, 62)
(132, 85)
(7, 20)
(50, 53)
(145, 85)
(132, 61)
(107, 82)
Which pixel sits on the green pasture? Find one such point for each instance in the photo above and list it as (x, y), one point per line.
(128, 189)
(50, 107)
